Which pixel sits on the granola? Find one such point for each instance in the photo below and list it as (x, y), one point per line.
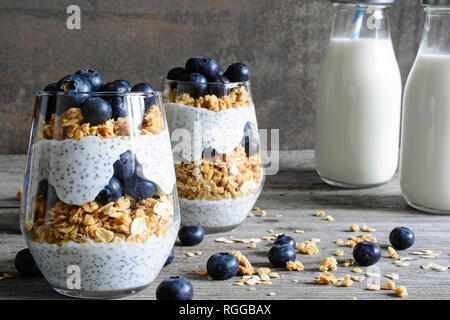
(237, 98)
(401, 291)
(308, 247)
(245, 267)
(70, 125)
(223, 177)
(123, 220)
(294, 266)
(326, 278)
(329, 263)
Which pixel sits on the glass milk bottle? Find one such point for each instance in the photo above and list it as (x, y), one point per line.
(359, 98)
(425, 150)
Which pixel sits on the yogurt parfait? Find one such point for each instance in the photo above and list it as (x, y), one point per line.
(99, 207)
(215, 141)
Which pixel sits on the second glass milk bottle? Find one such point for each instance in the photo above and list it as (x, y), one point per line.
(425, 151)
(359, 98)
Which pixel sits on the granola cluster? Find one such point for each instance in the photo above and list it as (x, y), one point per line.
(224, 176)
(123, 220)
(70, 125)
(237, 98)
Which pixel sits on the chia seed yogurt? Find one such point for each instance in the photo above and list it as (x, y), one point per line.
(222, 131)
(104, 266)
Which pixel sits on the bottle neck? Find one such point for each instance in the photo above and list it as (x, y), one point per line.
(360, 21)
(436, 31)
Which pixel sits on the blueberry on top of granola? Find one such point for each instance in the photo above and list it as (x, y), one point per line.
(93, 77)
(96, 111)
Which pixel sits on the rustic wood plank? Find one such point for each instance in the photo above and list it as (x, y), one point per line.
(290, 199)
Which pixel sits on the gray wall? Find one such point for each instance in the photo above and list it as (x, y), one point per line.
(282, 41)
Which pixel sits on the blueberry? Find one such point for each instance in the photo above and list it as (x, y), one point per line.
(52, 87)
(169, 258)
(119, 109)
(42, 187)
(206, 66)
(222, 266)
(116, 86)
(47, 102)
(96, 111)
(138, 188)
(367, 253)
(111, 193)
(401, 238)
(284, 239)
(175, 288)
(251, 143)
(195, 85)
(93, 77)
(176, 74)
(74, 86)
(238, 72)
(219, 86)
(280, 254)
(124, 83)
(220, 72)
(52, 197)
(149, 100)
(25, 264)
(126, 165)
(74, 83)
(191, 235)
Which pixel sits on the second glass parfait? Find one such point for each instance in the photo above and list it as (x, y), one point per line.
(99, 207)
(216, 147)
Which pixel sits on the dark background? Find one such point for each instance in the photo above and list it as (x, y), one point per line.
(282, 41)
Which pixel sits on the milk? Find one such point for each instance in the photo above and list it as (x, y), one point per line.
(425, 152)
(358, 113)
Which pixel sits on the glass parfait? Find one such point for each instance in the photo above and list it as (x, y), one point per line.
(99, 206)
(425, 153)
(216, 148)
(358, 98)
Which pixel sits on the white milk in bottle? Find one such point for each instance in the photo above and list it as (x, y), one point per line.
(359, 100)
(425, 151)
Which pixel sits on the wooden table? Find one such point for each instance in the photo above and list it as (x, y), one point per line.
(290, 199)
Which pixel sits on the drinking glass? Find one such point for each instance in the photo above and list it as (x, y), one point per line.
(99, 209)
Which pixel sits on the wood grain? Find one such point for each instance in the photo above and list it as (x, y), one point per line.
(290, 198)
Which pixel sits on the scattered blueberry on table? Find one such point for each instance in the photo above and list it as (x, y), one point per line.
(401, 238)
(25, 264)
(284, 239)
(222, 266)
(175, 288)
(280, 254)
(366, 253)
(191, 235)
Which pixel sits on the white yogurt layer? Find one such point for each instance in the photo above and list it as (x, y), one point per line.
(213, 214)
(195, 129)
(104, 266)
(79, 170)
